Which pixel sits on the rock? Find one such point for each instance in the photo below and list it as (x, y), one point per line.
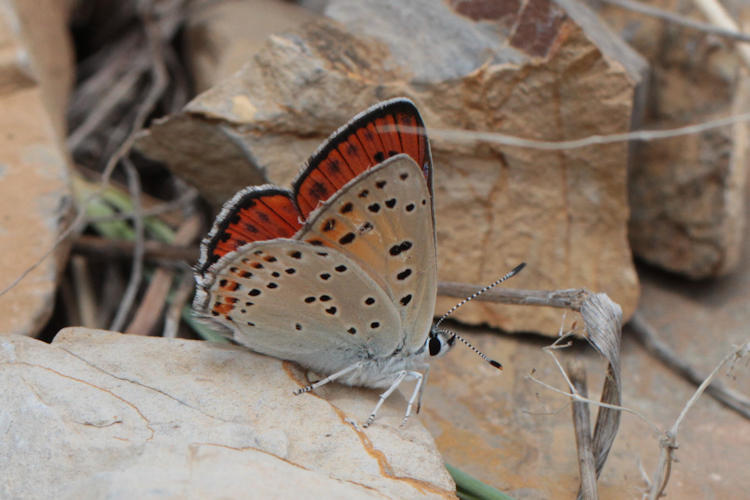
(687, 193)
(532, 70)
(518, 436)
(121, 416)
(221, 36)
(36, 71)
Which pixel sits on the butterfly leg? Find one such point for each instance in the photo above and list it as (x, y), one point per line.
(420, 378)
(328, 379)
(423, 384)
(399, 378)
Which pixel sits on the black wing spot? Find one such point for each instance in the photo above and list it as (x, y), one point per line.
(369, 301)
(346, 208)
(364, 193)
(390, 203)
(331, 310)
(380, 184)
(258, 252)
(275, 274)
(328, 225)
(250, 323)
(272, 285)
(322, 254)
(296, 254)
(318, 190)
(325, 298)
(424, 202)
(270, 258)
(223, 283)
(256, 265)
(379, 156)
(248, 304)
(290, 270)
(315, 242)
(325, 276)
(405, 299)
(375, 324)
(404, 176)
(298, 326)
(352, 330)
(340, 268)
(347, 238)
(254, 292)
(374, 208)
(400, 247)
(246, 274)
(410, 207)
(310, 299)
(403, 274)
(365, 228)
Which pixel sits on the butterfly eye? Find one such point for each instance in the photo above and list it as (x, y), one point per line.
(434, 346)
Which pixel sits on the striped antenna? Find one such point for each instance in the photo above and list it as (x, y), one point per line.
(479, 353)
(476, 294)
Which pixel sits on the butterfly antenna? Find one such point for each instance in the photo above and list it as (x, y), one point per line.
(476, 294)
(479, 353)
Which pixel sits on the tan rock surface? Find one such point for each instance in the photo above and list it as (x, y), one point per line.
(221, 36)
(687, 194)
(128, 416)
(36, 198)
(548, 76)
(518, 436)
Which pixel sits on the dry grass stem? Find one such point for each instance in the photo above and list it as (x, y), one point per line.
(149, 311)
(180, 299)
(582, 426)
(668, 442)
(721, 30)
(448, 138)
(136, 273)
(649, 338)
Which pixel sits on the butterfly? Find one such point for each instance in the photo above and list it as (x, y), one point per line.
(338, 274)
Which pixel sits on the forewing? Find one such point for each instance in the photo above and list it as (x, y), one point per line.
(253, 214)
(296, 301)
(380, 132)
(384, 221)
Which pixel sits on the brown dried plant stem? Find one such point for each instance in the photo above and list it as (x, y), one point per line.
(582, 425)
(722, 30)
(154, 300)
(668, 443)
(650, 340)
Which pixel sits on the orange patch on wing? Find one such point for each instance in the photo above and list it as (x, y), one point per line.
(259, 217)
(367, 141)
(222, 308)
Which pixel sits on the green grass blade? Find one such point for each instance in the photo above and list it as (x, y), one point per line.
(471, 488)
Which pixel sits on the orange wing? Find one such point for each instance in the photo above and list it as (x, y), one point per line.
(254, 214)
(380, 132)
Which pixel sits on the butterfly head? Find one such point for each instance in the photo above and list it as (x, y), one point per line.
(439, 342)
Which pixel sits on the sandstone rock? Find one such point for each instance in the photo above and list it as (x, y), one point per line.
(687, 193)
(119, 416)
(36, 73)
(517, 436)
(221, 36)
(528, 69)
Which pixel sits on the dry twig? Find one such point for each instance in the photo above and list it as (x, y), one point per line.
(668, 442)
(582, 425)
(650, 340)
(136, 272)
(721, 30)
